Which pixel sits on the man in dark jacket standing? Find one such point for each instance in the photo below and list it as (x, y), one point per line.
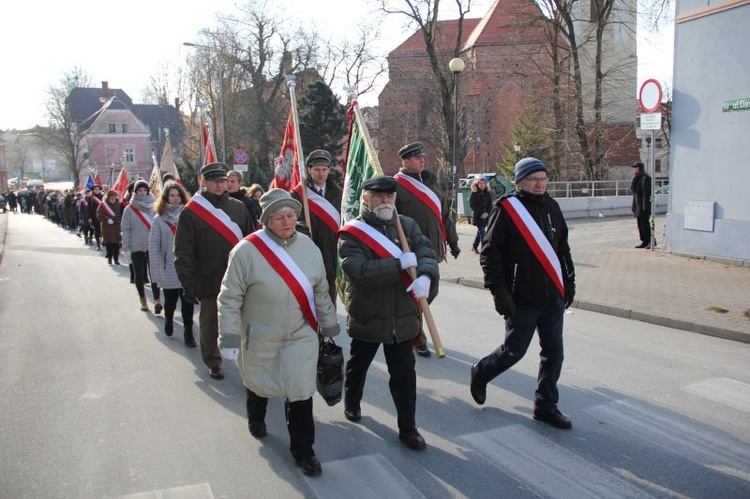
(529, 270)
(420, 197)
(209, 227)
(381, 301)
(324, 200)
(641, 207)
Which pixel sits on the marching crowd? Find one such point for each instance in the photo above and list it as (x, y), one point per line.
(266, 269)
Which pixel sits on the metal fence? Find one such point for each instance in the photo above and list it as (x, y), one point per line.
(598, 188)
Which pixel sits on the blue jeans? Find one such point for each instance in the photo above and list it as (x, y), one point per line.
(479, 237)
(518, 334)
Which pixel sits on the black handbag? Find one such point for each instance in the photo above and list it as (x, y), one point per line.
(330, 377)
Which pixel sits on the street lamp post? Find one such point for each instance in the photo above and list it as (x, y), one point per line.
(221, 100)
(456, 66)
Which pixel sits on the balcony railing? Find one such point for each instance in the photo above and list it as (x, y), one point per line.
(597, 188)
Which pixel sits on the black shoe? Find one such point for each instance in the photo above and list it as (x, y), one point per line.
(216, 373)
(310, 465)
(478, 390)
(353, 414)
(157, 307)
(412, 439)
(258, 430)
(422, 350)
(168, 328)
(642, 245)
(554, 418)
(109, 261)
(189, 339)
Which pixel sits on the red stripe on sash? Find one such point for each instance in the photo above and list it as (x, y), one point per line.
(286, 275)
(143, 218)
(104, 206)
(375, 246)
(214, 222)
(318, 210)
(410, 185)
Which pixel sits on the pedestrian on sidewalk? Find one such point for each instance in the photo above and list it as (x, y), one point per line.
(641, 206)
(273, 302)
(421, 198)
(136, 227)
(480, 202)
(168, 208)
(381, 301)
(529, 270)
(109, 216)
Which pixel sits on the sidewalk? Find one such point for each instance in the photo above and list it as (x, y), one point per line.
(613, 277)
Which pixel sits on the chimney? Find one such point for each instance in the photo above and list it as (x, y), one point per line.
(105, 89)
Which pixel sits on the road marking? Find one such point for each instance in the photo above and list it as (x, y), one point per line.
(197, 491)
(371, 476)
(725, 391)
(674, 433)
(546, 467)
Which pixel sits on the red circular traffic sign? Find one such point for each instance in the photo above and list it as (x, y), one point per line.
(241, 157)
(649, 97)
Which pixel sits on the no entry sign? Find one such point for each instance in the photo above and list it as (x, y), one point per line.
(649, 97)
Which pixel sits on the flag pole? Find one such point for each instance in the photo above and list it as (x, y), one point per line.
(423, 304)
(291, 82)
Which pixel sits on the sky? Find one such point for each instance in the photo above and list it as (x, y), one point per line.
(126, 43)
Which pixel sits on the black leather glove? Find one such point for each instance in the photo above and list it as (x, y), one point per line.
(570, 293)
(455, 250)
(504, 304)
(188, 293)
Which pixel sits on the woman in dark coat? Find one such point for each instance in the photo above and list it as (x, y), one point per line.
(110, 218)
(480, 203)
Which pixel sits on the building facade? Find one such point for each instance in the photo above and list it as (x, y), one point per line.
(709, 208)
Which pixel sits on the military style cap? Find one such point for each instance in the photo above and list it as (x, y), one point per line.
(319, 157)
(213, 171)
(409, 150)
(380, 183)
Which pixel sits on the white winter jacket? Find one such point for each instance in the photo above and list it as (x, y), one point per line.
(259, 315)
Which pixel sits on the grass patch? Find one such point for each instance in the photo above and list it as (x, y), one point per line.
(718, 310)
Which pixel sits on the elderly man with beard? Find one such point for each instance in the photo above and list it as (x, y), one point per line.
(381, 301)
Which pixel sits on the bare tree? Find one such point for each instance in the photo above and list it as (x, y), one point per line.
(424, 14)
(64, 135)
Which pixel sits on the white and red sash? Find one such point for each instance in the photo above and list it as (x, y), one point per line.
(426, 195)
(173, 228)
(216, 218)
(534, 237)
(104, 206)
(376, 241)
(147, 221)
(289, 271)
(322, 208)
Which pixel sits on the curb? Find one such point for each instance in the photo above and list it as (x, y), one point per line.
(692, 327)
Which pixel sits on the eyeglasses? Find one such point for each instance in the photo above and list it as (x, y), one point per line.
(537, 180)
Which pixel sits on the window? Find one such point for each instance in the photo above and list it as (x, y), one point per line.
(112, 128)
(657, 164)
(124, 128)
(129, 154)
(657, 143)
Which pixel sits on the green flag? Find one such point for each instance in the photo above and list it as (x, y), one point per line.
(361, 164)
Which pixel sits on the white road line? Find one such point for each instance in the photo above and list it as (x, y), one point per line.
(546, 467)
(197, 491)
(725, 391)
(371, 476)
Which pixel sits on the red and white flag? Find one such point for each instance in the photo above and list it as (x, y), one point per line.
(208, 152)
(286, 169)
(121, 184)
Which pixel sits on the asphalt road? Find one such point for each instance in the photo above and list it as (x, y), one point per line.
(97, 403)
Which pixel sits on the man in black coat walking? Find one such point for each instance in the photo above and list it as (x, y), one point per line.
(641, 207)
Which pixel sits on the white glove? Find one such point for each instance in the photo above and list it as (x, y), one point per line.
(408, 260)
(420, 287)
(110, 221)
(230, 353)
(484, 215)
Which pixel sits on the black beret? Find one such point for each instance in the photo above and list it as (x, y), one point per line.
(380, 183)
(409, 150)
(214, 171)
(319, 157)
(638, 164)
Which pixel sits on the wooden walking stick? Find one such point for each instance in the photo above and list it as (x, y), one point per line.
(431, 327)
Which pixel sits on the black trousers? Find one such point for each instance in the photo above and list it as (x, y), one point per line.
(299, 422)
(518, 334)
(644, 228)
(140, 267)
(403, 379)
(170, 305)
(113, 251)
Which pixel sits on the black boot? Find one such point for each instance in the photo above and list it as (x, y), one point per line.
(189, 338)
(169, 327)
